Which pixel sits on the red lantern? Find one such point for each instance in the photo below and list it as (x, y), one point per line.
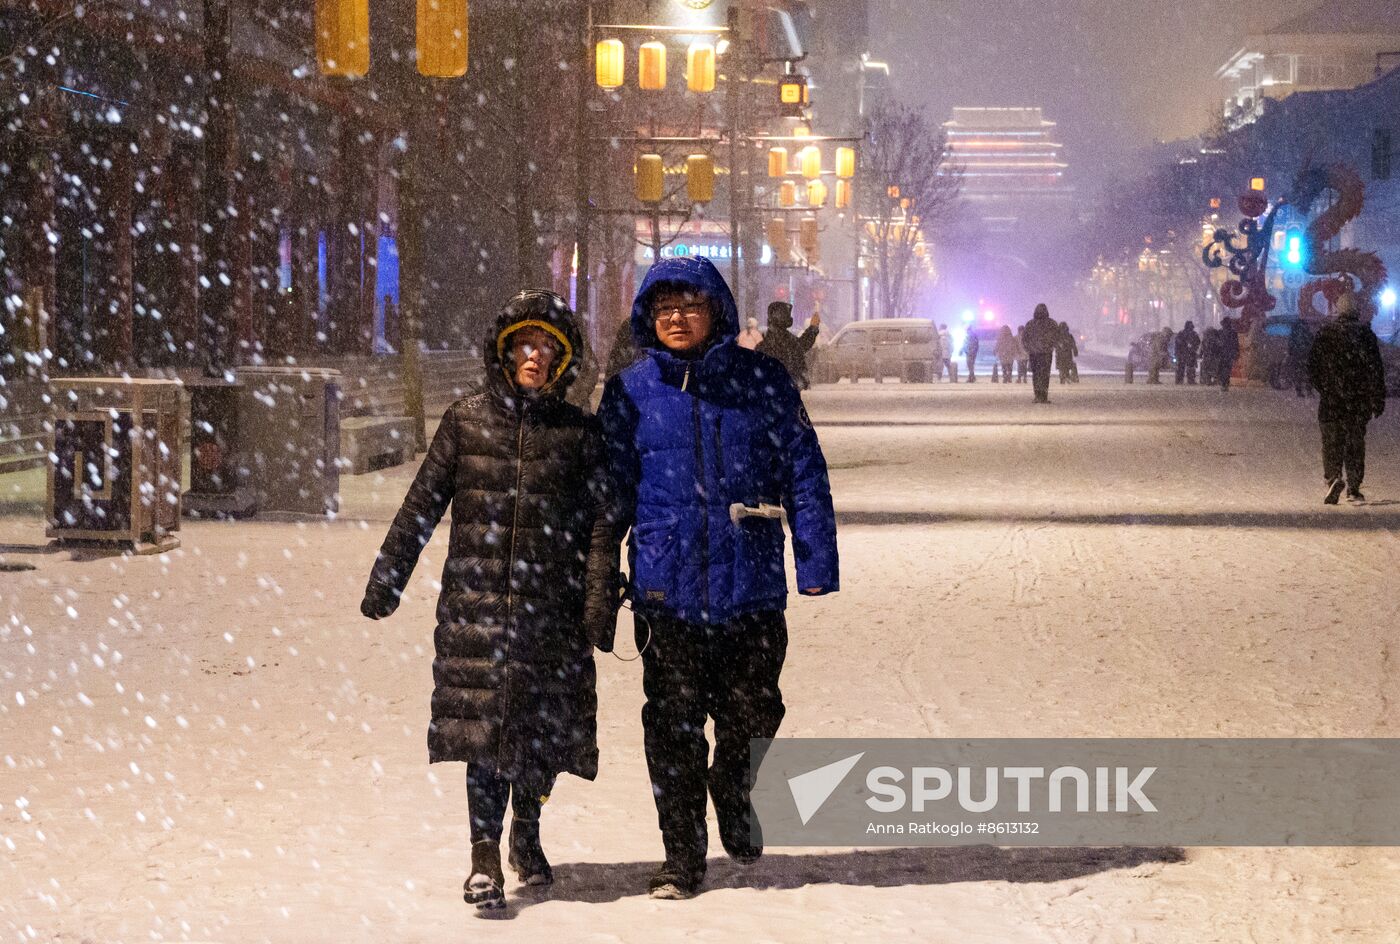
(1253, 204)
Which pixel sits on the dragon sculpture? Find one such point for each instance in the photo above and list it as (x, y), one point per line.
(1335, 272)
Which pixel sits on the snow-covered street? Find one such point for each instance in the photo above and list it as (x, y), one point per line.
(214, 746)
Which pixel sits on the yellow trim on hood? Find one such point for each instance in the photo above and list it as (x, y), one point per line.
(548, 329)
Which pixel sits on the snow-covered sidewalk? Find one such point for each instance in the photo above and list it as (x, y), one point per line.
(213, 745)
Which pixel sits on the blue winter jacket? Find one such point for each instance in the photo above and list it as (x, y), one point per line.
(688, 438)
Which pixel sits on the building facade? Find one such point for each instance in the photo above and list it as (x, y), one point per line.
(1012, 168)
(1340, 45)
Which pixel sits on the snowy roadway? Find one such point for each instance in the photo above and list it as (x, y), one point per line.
(214, 746)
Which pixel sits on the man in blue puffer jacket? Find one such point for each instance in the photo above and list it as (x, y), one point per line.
(699, 431)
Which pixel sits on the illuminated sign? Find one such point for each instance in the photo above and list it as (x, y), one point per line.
(716, 251)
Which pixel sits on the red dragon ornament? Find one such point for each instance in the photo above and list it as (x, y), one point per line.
(1361, 272)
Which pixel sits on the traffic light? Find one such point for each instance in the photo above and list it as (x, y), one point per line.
(1295, 252)
(792, 95)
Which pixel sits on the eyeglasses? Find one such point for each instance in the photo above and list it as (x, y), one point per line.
(689, 312)
(546, 350)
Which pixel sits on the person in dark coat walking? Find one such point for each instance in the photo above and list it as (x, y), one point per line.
(1006, 350)
(710, 446)
(1210, 356)
(1041, 336)
(1023, 363)
(528, 587)
(1229, 352)
(971, 345)
(1066, 350)
(1295, 362)
(1188, 347)
(1159, 350)
(789, 350)
(945, 350)
(1346, 368)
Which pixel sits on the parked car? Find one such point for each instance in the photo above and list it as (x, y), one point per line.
(1274, 352)
(906, 348)
(1273, 347)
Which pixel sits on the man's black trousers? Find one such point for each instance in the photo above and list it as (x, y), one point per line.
(727, 672)
(1344, 449)
(1040, 375)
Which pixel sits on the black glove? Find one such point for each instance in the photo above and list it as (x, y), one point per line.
(601, 632)
(380, 601)
(600, 622)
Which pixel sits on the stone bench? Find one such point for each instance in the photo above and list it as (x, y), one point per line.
(370, 443)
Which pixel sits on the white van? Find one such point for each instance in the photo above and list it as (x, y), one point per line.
(906, 348)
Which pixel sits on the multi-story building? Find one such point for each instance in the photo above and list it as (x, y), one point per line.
(1012, 169)
(1340, 45)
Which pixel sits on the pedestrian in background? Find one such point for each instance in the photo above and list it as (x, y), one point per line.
(1023, 363)
(1066, 350)
(969, 350)
(1229, 352)
(1158, 351)
(1346, 368)
(528, 587)
(1188, 346)
(1005, 352)
(750, 337)
(1295, 362)
(1041, 336)
(788, 349)
(936, 356)
(945, 345)
(1210, 356)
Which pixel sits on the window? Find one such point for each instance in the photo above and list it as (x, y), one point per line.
(889, 336)
(920, 336)
(1380, 154)
(850, 339)
(1321, 71)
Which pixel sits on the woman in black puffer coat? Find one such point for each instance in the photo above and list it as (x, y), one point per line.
(528, 588)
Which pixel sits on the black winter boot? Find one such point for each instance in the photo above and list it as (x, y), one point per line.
(733, 816)
(676, 881)
(526, 856)
(485, 887)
